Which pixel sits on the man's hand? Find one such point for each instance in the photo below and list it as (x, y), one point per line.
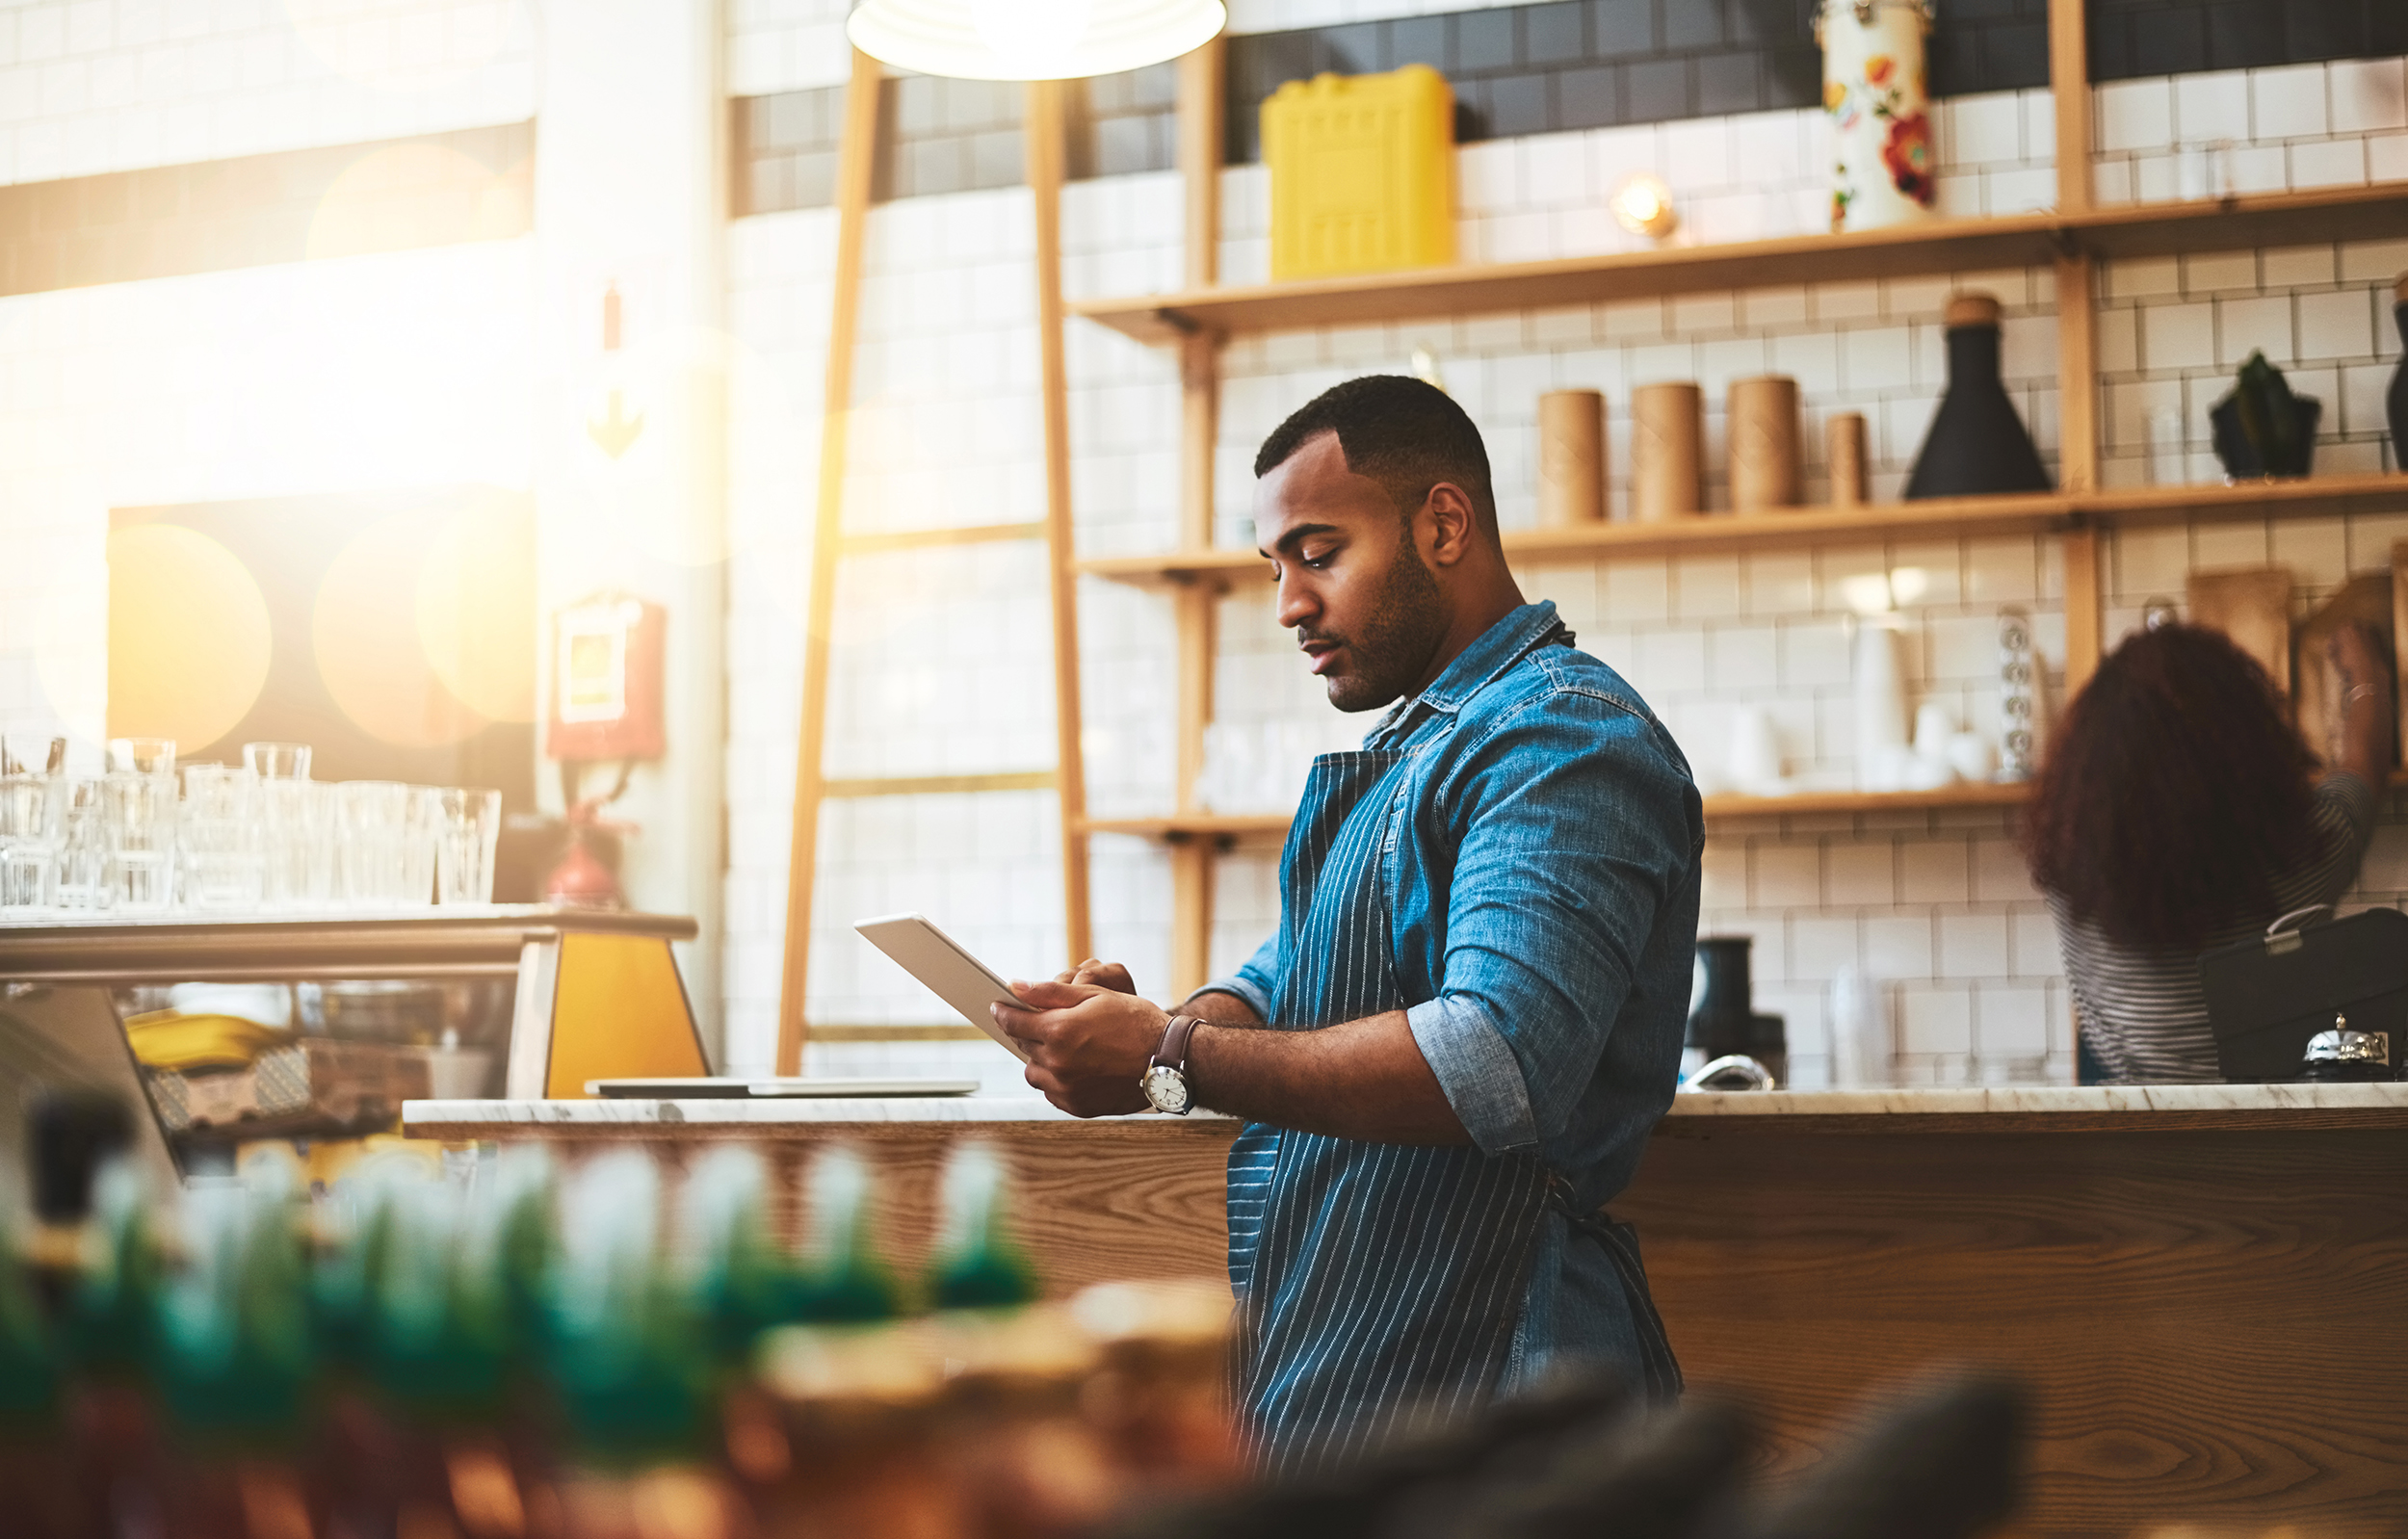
(1088, 1043)
(1104, 975)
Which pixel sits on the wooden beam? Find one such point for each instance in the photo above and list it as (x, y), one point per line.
(857, 153)
(937, 785)
(898, 539)
(2086, 616)
(1044, 141)
(1202, 136)
(2077, 374)
(1195, 606)
(2069, 79)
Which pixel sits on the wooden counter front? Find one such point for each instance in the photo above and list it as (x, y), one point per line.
(2204, 1287)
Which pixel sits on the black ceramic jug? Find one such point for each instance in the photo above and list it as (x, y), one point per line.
(1976, 445)
(1726, 1021)
(2397, 402)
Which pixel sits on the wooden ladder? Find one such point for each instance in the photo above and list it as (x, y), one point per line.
(1043, 135)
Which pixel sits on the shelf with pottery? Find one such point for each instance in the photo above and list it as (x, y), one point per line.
(1234, 830)
(1807, 528)
(2372, 213)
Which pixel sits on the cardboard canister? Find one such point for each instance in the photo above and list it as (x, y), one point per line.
(1844, 448)
(1767, 470)
(1667, 451)
(1571, 457)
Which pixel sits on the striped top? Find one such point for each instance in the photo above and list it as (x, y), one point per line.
(2143, 1013)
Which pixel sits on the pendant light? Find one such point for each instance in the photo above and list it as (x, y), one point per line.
(1031, 40)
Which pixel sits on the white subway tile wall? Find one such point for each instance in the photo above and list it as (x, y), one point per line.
(777, 46)
(92, 86)
(2174, 331)
(2285, 129)
(1934, 907)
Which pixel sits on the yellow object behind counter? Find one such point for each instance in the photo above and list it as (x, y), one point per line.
(620, 1012)
(1362, 173)
(169, 1039)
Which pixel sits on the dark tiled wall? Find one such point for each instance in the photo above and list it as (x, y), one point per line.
(946, 135)
(255, 210)
(1526, 69)
(1576, 63)
(2134, 38)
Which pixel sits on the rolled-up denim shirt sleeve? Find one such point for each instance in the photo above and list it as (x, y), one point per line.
(1476, 1070)
(1254, 983)
(1574, 829)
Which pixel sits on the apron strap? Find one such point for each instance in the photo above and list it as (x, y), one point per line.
(1656, 1363)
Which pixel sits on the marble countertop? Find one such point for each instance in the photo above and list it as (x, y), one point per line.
(1973, 1109)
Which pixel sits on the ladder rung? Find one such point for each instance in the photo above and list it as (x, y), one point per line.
(897, 539)
(933, 785)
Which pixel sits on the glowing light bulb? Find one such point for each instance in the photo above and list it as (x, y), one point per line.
(1036, 38)
(1643, 206)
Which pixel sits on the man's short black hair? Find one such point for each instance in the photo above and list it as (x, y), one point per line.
(1404, 432)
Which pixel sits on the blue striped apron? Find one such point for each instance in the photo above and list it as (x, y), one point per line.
(1381, 1285)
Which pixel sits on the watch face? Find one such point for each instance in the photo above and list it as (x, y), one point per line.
(1166, 1087)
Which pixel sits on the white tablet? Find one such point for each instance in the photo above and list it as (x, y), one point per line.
(952, 974)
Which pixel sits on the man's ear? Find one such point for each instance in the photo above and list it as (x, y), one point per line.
(1454, 523)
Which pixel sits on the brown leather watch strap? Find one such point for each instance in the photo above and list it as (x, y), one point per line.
(1172, 1054)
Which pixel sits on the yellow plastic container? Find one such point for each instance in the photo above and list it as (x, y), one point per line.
(1362, 173)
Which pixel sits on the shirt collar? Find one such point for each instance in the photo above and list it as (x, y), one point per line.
(1498, 648)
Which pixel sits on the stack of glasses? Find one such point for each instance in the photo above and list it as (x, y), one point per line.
(261, 837)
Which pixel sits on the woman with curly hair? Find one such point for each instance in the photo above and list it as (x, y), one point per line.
(2178, 811)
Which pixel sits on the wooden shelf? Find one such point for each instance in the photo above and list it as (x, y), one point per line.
(2379, 212)
(1955, 518)
(1271, 828)
(1236, 827)
(2012, 795)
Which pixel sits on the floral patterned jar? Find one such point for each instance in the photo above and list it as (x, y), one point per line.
(1885, 168)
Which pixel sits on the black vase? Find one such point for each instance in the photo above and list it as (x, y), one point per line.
(1978, 445)
(2397, 403)
(1726, 1021)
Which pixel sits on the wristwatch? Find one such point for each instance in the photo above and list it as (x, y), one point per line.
(1165, 1079)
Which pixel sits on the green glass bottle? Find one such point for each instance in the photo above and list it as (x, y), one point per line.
(845, 1281)
(743, 1282)
(236, 1365)
(976, 1264)
(33, 1469)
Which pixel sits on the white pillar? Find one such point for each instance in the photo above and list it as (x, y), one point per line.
(631, 180)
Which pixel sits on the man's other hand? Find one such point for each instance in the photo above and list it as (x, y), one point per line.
(1101, 973)
(1088, 1043)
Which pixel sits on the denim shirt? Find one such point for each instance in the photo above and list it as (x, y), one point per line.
(1543, 924)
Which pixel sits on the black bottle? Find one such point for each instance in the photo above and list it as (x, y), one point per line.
(1978, 445)
(2397, 404)
(1725, 1022)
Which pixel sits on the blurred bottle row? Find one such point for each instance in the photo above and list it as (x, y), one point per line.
(233, 839)
(506, 1349)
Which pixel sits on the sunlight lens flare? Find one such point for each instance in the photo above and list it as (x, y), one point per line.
(187, 636)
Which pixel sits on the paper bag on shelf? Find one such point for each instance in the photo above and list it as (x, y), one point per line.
(2252, 606)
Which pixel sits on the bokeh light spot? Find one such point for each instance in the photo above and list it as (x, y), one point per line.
(474, 608)
(414, 196)
(365, 634)
(187, 636)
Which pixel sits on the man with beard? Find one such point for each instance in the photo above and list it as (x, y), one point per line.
(1449, 1055)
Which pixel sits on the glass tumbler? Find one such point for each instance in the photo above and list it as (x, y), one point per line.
(426, 823)
(140, 810)
(217, 838)
(145, 756)
(469, 821)
(29, 841)
(277, 761)
(372, 830)
(86, 875)
(288, 834)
